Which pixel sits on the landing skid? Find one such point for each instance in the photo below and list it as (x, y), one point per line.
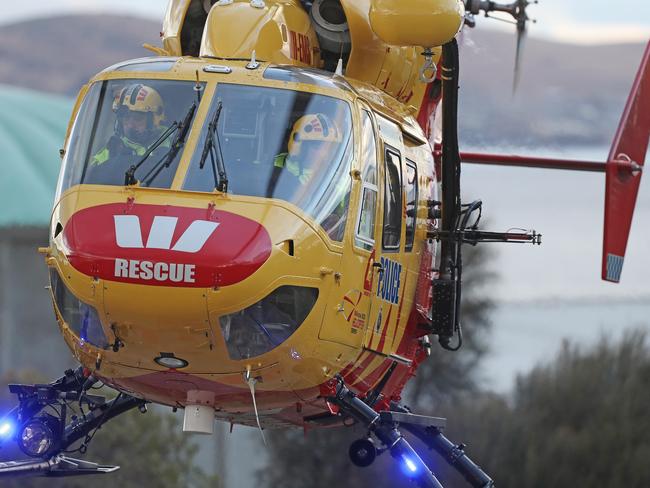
(57, 467)
(385, 427)
(44, 431)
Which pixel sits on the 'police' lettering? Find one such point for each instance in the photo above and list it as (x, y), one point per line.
(389, 282)
(147, 271)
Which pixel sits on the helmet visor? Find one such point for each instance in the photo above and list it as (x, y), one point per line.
(136, 126)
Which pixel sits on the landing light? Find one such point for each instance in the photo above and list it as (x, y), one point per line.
(6, 429)
(410, 465)
(168, 360)
(39, 436)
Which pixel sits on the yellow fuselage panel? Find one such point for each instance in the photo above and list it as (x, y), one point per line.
(173, 25)
(150, 319)
(393, 68)
(425, 23)
(280, 32)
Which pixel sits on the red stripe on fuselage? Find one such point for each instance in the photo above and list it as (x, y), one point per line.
(399, 316)
(352, 378)
(382, 340)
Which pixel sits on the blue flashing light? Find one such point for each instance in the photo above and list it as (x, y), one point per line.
(6, 429)
(410, 465)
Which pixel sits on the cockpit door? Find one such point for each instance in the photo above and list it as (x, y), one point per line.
(389, 274)
(348, 317)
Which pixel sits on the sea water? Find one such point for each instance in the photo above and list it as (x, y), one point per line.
(526, 334)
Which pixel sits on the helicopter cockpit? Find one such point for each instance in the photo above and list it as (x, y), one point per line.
(268, 142)
(285, 144)
(119, 121)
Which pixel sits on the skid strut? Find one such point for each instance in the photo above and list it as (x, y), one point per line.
(432, 436)
(45, 431)
(57, 467)
(385, 426)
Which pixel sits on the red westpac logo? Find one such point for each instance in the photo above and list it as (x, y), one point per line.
(165, 245)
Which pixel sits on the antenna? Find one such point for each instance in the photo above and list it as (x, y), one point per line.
(339, 67)
(253, 64)
(339, 64)
(198, 88)
(251, 381)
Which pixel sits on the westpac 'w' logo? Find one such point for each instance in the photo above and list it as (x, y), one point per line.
(128, 233)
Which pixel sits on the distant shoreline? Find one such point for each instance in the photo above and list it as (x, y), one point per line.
(598, 301)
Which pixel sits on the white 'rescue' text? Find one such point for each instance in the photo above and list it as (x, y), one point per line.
(147, 270)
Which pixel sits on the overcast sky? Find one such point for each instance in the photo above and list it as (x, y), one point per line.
(594, 21)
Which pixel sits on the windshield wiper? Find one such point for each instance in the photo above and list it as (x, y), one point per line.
(181, 129)
(176, 146)
(213, 148)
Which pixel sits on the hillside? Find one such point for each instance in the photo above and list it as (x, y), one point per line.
(568, 94)
(60, 54)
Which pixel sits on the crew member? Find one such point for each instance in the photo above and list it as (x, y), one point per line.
(313, 141)
(313, 138)
(139, 113)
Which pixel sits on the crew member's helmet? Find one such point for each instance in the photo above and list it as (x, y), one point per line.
(139, 99)
(311, 129)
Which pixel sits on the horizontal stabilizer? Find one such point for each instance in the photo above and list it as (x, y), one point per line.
(624, 169)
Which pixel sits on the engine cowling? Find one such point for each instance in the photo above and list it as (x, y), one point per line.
(278, 31)
(425, 23)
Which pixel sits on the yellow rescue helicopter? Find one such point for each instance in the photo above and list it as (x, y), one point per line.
(262, 224)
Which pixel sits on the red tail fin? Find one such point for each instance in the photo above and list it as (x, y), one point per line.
(624, 169)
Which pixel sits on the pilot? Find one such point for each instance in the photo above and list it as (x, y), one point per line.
(313, 138)
(139, 113)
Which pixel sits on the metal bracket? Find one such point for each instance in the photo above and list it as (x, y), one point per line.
(625, 163)
(47, 405)
(410, 418)
(429, 65)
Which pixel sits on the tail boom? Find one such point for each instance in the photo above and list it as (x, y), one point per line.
(623, 170)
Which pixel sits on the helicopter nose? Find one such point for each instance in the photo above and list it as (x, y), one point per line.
(161, 245)
(193, 281)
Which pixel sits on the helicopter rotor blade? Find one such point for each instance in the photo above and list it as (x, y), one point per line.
(517, 10)
(522, 18)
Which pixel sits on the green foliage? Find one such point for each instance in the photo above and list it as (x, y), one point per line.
(447, 374)
(320, 459)
(150, 448)
(581, 420)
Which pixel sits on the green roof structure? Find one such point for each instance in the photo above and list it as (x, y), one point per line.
(32, 129)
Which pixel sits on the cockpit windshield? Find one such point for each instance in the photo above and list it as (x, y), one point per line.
(129, 123)
(277, 143)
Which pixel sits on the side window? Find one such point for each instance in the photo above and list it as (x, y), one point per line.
(365, 234)
(128, 123)
(411, 203)
(392, 201)
(79, 147)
